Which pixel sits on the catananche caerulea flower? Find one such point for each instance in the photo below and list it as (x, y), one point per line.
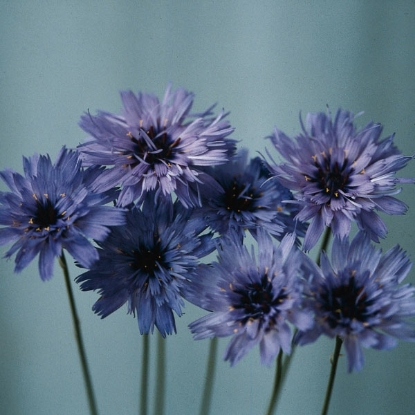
(359, 297)
(148, 263)
(248, 200)
(340, 175)
(52, 208)
(156, 146)
(253, 301)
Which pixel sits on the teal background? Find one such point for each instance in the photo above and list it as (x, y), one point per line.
(265, 61)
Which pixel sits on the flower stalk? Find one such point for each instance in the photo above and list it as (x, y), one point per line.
(283, 363)
(78, 337)
(160, 387)
(144, 374)
(277, 385)
(333, 370)
(324, 244)
(210, 377)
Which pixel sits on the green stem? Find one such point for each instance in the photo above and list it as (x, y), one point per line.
(330, 384)
(284, 364)
(78, 337)
(210, 376)
(277, 383)
(159, 395)
(144, 374)
(324, 244)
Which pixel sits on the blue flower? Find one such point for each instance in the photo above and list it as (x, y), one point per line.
(156, 146)
(149, 262)
(253, 301)
(248, 200)
(359, 297)
(52, 208)
(341, 175)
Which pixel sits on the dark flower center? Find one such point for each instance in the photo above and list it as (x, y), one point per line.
(345, 303)
(331, 179)
(257, 299)
(148, 260)
(46, 215)
(237, 199)
(163, 147)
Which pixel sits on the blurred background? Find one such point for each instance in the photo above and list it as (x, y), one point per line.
(265, 61)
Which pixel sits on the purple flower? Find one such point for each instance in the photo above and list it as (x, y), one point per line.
(149, 262)
(156, 146)
(253, 301)
(358, 297)
(248, 200)
(341, 175)
(52, 208)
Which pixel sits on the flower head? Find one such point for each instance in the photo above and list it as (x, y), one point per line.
(340, 175)
(248, 200)
(156, 146)
(359, 298)
(52, 208)
(253, 301)
(148, 263)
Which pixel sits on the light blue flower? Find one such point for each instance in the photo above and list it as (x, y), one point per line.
(248, 200)
(253, 301)
(156, 146)
(341, 175)
(359, 297)
(148, 263)
(52, 208)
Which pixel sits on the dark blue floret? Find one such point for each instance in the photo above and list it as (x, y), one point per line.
(156, 146)
(249, 199)
(358, 297)
(253, 300)
(340, 175)
(51, 208)
(149, 263)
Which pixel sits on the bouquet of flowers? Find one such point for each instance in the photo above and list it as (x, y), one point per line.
(152, 192)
